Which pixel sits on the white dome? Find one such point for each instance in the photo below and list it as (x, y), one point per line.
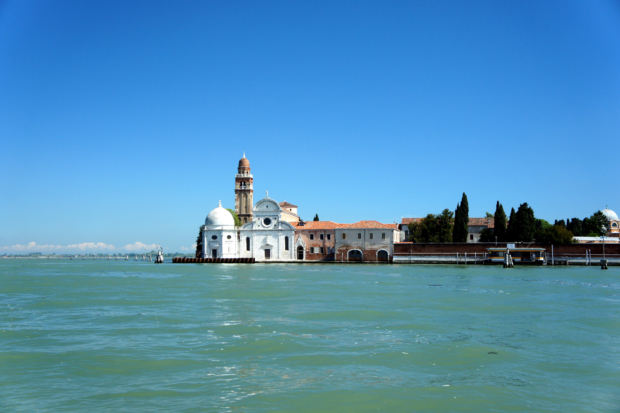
(220, 217)
(611, 215)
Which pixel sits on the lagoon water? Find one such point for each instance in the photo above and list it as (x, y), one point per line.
(103, 336)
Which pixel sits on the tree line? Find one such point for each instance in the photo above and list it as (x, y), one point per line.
(520, 226)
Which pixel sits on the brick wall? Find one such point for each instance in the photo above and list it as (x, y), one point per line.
(408, 247)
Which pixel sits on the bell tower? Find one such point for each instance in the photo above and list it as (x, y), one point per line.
(244, 191)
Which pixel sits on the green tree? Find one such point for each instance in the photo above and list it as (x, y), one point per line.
(444, 225)
(575, 227)
(555, 234)
(461, 221)
(510, 227)
(316, 217)
(487, 235)
(525, 223)
(199, 243)
(234, 214)
(489, 215)
(594, 224)
(425, 231)
(432, 228)
(456, 234)
(541, 226)
(500, 222)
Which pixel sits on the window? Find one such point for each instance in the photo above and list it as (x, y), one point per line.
(214, 237)
(247, 244)
(471, 237)
(383, 235)
(311, 237)
(371, 235)
(228, 237)
(359, 235)
(311, 250)
(322, 250)
(267, 221)
(321, 237)
(286, 243)
(344, 235)
(329, 237)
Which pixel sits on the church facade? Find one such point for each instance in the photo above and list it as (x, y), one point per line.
(264, 234)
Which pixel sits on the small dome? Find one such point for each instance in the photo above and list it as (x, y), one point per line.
(244, 162)
(220, 217)
(611, 215)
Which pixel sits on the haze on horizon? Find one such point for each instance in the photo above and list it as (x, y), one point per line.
(121, 123)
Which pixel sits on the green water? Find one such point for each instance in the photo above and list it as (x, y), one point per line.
(131, 336)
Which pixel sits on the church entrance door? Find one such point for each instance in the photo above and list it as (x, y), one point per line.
(267, 254)
(213, 253)
(300, 253)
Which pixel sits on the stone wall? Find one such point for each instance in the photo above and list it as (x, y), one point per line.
(481, 248)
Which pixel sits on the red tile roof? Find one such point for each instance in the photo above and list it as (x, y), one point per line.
(482, 222)
(369, 224)
(287, 204)
(406, 221)
(314, 225)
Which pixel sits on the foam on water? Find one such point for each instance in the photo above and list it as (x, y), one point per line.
(133, 336)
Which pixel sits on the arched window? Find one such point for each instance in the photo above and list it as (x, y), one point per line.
(286, 243)
(247, 243)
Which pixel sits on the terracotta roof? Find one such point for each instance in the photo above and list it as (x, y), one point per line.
(473, 222)
(287, 204)
(314, 225)
(482, 222)
(369, 224)
(406, 221)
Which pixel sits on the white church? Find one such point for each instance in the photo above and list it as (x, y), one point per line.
(265, 235)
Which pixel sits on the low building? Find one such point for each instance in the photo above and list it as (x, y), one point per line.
(315, 240)
(476, 225)
(366, 241)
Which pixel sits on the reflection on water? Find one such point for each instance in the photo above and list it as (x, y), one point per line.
(133, 336)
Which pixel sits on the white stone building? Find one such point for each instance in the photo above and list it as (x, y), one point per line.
(268, 237)
(219, 235)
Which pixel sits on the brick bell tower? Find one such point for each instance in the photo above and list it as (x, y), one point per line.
(244, 191)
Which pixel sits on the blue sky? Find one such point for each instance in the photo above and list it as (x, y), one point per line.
(122, 122)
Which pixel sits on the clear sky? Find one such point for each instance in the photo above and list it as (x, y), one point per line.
(122, 122)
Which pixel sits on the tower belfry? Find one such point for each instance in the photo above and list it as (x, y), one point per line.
(244, 191)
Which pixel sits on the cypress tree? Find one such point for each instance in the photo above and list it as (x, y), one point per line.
(525, 225)
(457, 219)
(512, 223)
(316, 217)
(199, 244)
(500, 222)
(464, 218)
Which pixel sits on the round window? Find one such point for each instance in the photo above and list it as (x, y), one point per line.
(214, 237)
(229, 237)
(267, 221)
